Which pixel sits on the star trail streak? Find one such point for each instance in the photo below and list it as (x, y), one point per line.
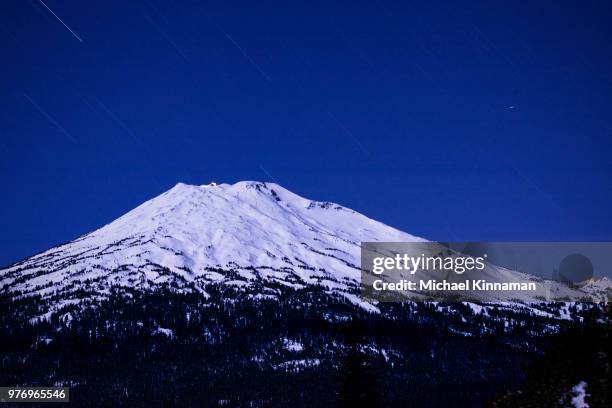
(60, 20)
(242, 51)
(49, 118)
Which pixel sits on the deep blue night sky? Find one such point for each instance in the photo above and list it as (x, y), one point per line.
(486, 121)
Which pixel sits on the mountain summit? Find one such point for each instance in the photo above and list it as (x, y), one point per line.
(245, 234)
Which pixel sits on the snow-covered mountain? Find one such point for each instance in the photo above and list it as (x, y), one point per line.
(246, 235)
(236, 234)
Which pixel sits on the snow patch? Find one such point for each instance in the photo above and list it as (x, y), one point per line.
(579, 398)
(165, 332)
(292, 345)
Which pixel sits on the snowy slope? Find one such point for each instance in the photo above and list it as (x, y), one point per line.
(249, 234)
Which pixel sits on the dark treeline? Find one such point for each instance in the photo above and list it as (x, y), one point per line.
(304, 348)
(581, 354)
